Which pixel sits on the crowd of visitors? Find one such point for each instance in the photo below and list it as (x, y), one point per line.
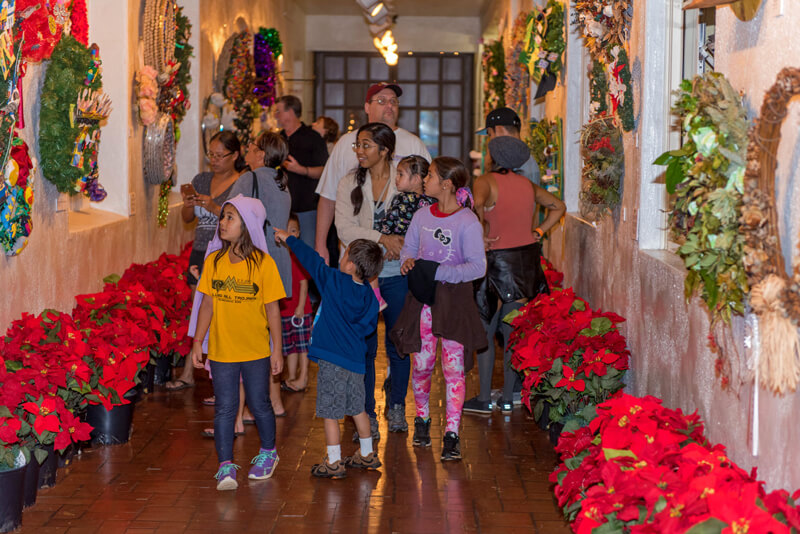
(438, 263)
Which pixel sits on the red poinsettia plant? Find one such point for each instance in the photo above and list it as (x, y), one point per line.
(120, 333)
(642, 468)
(554, 278)
(572, 357)
(43, 384)
(165, 280)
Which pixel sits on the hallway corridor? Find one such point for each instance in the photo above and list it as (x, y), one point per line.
(162, 480)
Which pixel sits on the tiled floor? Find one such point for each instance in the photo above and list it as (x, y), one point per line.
(162, 480)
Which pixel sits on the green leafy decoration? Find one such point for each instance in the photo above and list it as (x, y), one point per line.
(494, 69)
(706, 175)
(65, 77)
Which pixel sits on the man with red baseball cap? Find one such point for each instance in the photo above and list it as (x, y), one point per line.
(381, 105)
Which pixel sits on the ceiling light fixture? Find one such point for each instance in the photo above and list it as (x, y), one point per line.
(381, 19)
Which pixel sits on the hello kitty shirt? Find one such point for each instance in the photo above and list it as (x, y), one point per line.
(454, 241)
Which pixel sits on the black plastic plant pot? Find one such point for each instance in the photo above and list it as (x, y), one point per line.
(111, 427)
(163, 370)
(12, 497)
(148, 376)
(31, 483)
(554, 432)
(48, 468)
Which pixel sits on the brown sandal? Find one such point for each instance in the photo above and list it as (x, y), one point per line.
(326, 470)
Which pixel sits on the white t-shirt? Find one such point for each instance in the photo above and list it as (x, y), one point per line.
(343, 158)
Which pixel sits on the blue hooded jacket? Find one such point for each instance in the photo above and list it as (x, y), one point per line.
(348, 313)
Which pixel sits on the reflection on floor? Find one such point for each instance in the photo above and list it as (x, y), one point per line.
(162, 480)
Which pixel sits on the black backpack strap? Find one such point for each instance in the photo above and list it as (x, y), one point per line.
(254, 194)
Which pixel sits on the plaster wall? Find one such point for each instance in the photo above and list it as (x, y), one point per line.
(610, 266)
(666, 335)
(70, 251)
(416, 34)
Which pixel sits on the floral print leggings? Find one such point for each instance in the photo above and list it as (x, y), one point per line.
(452, 366)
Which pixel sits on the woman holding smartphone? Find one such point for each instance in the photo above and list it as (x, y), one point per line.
(202, 200)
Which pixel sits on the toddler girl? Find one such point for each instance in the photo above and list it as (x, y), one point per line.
(411, 171)
(443, 253)
(237, 297)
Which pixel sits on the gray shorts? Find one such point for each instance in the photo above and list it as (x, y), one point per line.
(339, 392)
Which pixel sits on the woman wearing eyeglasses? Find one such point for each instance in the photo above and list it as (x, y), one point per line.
(203, 201)
(363, 197)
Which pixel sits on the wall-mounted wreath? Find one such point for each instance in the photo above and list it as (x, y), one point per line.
(71, 111)
(774, 297)
(603, 167)
(40, 26)
(159, 32)
(16, 199)
(605, 27)
(517, 79)
(706, 177)
(544, 43)
(545, 141)
(493, 64)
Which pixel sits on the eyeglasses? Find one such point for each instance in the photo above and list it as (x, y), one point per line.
(365, 146)
(211, 155)
(382, 101)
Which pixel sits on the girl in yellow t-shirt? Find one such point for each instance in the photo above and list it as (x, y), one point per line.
(237, 297)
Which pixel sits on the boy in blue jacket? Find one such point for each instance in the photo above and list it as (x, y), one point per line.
(348, 314)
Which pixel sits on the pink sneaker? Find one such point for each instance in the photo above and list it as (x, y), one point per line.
(381, 303)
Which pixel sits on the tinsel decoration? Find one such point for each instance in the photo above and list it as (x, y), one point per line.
(273, 39)
(79, 22)
(238, 86)
(40, 27)
(68, 73)
(264, 56)
(16, 199)
(163, 202)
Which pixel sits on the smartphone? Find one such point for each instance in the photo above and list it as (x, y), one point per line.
(188, 190)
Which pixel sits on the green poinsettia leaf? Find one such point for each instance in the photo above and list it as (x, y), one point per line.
(112, 279)
(711, 525)
(610, 454)
(40, 454)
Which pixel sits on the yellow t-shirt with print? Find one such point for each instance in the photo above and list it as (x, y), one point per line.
(239, 327)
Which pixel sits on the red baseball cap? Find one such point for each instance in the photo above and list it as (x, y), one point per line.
(380, 86)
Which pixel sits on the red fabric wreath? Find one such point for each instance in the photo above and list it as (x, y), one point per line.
(40, 37)
(80, 22)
